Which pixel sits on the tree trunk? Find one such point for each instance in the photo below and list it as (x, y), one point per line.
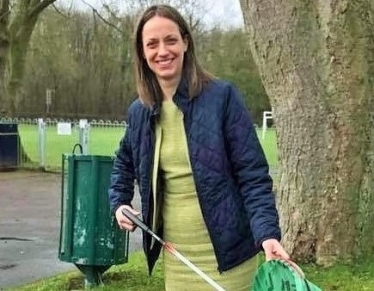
(15, 34)
(4, 49)
(316, 60)
(3, 91)
(17, 60)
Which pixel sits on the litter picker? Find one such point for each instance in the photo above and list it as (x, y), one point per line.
(170, 248)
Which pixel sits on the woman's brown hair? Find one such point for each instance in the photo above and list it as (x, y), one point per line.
(147, 85)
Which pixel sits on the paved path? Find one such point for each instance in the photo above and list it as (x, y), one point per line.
(30, 228)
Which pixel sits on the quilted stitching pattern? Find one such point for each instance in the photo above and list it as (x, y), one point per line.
(239, 208)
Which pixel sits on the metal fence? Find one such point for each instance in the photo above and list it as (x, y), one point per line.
(42, 142)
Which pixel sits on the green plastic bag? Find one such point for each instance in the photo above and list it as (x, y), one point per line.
(279, 275)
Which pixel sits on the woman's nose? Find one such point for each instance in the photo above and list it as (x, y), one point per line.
(162, 49)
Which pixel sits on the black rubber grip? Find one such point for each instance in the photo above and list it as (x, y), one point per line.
(135, 220)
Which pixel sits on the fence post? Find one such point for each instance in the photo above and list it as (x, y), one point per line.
(84, 135)
(265, 116)
(41, 139)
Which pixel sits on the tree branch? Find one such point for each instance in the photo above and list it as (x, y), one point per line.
(107, 8)
(60, 12)
(40, 7)
(102, 18)
(4, 10)
(4, 15)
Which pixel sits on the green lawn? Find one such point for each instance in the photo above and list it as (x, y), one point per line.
(102, 141)
(269, 144)
(133, 276)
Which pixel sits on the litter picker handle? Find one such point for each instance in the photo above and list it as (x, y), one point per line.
(135, 220)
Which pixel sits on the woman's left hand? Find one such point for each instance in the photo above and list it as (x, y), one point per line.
(274, 250)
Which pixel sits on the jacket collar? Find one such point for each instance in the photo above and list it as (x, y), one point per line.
(181, 98)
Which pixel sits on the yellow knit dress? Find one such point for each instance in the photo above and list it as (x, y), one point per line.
(184, 226)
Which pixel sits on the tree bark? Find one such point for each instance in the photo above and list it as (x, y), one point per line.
(15, 34)
(4, 48)
(17, 59)
(316, 60)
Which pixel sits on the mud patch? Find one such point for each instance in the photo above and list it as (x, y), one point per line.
(6, 238)
(7, 266)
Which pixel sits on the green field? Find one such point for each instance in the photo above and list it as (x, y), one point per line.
(133, 276)
(102, 141)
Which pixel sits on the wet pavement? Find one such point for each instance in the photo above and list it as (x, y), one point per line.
(30, 228)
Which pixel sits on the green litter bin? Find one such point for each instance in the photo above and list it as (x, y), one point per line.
(89, 235)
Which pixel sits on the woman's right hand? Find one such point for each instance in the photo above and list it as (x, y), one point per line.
(123, 221)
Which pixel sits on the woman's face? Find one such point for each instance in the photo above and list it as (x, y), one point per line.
(164, 48)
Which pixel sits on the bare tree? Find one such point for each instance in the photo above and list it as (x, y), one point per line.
(316, 59)
(17, 21)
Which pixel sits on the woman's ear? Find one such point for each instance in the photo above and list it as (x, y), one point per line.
(185, 41)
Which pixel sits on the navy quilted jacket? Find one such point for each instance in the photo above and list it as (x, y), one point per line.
(229, 168)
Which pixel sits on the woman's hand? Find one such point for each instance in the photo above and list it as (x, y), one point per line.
(123, 221)
(274, 250)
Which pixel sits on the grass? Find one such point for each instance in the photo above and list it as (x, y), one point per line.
(102, 141)
(357, 277)
(133, 276)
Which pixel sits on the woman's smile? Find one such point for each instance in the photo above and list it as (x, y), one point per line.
(164, 48)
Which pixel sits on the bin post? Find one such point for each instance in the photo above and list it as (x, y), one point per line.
(89, 235)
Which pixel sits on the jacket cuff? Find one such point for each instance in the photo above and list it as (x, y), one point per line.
(115, 208)
(274, 236)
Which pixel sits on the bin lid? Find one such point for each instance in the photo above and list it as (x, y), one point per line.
(279, 275)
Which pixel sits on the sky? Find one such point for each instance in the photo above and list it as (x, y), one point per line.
(213, 12)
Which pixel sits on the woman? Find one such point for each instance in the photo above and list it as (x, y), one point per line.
(203, 177)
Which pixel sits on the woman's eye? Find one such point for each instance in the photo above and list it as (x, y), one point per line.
(151, 45)
(171, 41)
